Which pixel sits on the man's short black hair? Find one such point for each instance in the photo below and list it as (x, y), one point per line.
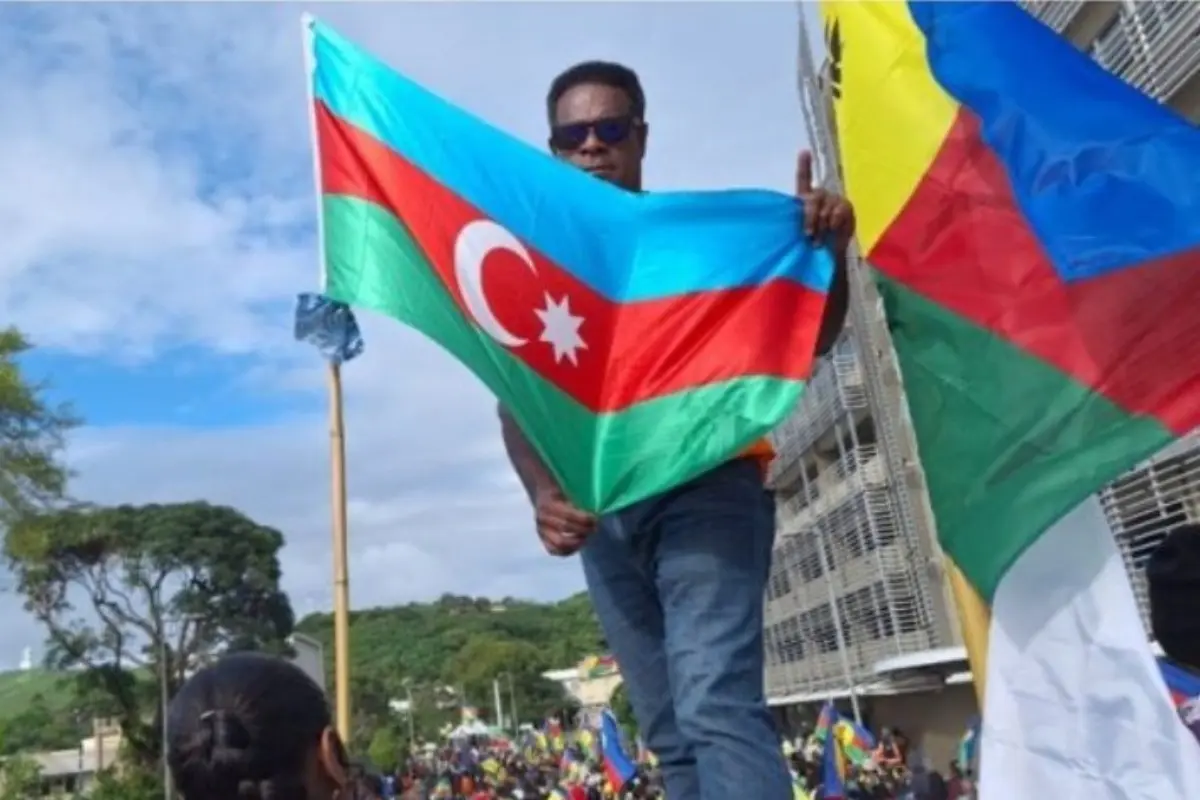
(605, 73)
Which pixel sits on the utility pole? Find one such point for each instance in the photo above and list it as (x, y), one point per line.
(512, 704)
(412, 728)
(496, 700)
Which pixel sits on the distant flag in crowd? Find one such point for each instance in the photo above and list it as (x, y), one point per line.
(1184, 687)
(597, 667)
(1034, 227)
(855, 741)
(638, 339)
(968, 746)
(834, 769)
(825, 720)
(618, 767)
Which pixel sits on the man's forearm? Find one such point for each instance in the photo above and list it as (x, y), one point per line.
(525, 460)
(836, 305)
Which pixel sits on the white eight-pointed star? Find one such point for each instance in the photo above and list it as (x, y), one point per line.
(560, 329)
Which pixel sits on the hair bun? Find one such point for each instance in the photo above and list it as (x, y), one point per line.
(228, 739)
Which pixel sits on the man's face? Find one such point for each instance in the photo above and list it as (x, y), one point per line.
(594, 130)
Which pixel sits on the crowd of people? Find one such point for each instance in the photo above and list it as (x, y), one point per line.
(478, 770)
(255, 727)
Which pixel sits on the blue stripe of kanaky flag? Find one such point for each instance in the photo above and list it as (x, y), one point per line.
(617, 763)
(1107, 182)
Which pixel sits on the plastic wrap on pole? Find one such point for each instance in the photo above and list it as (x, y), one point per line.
(329, 326)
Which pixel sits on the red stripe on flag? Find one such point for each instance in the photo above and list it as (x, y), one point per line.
(1132, 335)
(654, 347)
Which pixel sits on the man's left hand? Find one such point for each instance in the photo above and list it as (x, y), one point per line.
(825, 213)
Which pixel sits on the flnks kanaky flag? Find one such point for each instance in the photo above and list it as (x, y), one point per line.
(638, 339)
(1034, 225)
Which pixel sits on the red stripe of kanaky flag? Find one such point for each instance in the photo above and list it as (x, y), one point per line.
(1132, 335)
(763, 331)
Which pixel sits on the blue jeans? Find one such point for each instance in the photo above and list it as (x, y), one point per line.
(677, 581)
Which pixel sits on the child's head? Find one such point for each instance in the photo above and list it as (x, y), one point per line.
(253, 726)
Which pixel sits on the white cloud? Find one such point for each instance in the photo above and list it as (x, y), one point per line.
(157, 195)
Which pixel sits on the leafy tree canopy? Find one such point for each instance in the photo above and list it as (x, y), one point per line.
(140, 591)
(20, 778)
(32, 475)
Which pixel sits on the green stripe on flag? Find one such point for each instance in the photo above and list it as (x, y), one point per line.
(1009, 444)
(604, 461)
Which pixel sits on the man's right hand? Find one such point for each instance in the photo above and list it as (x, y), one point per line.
(561, 526)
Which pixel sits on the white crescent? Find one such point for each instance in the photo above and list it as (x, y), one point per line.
(475, 242)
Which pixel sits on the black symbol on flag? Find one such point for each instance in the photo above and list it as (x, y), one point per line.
(833, 41)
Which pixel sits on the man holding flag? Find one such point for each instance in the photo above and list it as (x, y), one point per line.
(677, 580)
(653, 340)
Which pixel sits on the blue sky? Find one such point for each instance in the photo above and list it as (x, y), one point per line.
(164, 223)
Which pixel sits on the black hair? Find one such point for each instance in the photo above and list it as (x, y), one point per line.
(1173, 581)
(244, 728)
(605, 73)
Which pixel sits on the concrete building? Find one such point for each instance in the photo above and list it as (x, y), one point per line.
(858, 603)
(592, 689)
(73, 772)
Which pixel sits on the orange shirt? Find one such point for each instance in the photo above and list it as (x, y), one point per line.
(761, 451)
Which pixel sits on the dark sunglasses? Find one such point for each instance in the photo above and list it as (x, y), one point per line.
(611, 131)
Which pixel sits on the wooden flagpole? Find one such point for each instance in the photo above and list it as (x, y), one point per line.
(975, 620)
(341, 570)
(337, 441)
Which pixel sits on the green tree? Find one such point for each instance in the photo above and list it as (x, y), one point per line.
(20, 778)
(384, 750)
(32, 474)
(369, 704)
(518, 666)
(163, 588)
(38, 726)
(137, 783)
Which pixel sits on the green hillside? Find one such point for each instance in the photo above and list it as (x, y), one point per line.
(458, 644)
(419, 640)
(21, 689)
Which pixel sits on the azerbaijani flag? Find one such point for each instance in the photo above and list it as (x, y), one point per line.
(618, 766)
(638, 340)
(1034, 228)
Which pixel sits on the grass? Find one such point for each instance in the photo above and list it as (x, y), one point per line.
(19, 690)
